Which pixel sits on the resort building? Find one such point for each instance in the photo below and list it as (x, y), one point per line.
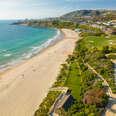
(64, 101)
(111, 31)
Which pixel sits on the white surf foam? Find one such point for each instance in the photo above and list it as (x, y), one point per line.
(7, 55)
(34, 51)
(37, 49)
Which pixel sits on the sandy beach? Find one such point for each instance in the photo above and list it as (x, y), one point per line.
(23, 87)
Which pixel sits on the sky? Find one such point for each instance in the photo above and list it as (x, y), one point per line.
(36, 9)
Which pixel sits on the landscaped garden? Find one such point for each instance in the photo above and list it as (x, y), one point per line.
(86, 88)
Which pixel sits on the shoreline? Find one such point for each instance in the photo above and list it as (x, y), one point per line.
(28, 83)
(59, 37)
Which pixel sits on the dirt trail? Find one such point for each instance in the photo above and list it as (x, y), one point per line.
(110, 109)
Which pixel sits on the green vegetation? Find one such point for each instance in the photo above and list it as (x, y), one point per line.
(81, 80)
(64, 72)
(93, 51)
(89, 28)
(87, 81)
(90, 31)
(73, 80)
(76, 75)
(53, 24)
(112, 56)
(91, 15)
(87, 89)
(47, 103)
(99, 42)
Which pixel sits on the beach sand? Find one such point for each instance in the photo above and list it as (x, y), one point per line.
(23, 87)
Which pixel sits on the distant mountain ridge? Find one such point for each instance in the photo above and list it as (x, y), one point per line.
(89, 14)
(79, 16)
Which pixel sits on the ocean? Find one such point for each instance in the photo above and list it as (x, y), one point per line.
(18, 43)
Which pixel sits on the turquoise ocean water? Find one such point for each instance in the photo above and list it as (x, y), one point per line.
(18, 43)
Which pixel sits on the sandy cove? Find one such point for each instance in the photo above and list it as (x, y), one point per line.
(23, 87)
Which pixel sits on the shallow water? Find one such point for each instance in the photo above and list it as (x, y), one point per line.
(18, 43)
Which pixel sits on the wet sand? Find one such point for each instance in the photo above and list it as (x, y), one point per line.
(23, 87)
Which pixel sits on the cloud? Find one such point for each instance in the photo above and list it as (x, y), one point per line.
(11, 9)
(9, 3)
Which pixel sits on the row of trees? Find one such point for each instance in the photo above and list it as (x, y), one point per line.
(54, 24)
(85, 104)
(89, 83)
(92, 97)
(90, 31)
(98, 60)
(92, 106)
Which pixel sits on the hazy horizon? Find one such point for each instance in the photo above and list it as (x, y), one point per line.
(37, 9)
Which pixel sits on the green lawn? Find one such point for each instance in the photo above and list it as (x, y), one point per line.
(73, 80)
(100, 41)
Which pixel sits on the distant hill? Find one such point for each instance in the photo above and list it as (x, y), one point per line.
(89, 14)
(73, 17)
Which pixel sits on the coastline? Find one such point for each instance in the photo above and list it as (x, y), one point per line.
(33, 78)
(33, 57)
(59, 37)
(33, 52)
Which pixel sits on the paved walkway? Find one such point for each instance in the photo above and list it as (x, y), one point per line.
(114, 61)
(110, 109)
(108, 89)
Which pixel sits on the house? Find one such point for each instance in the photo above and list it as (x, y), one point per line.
(98, 26)
(90, 22)
(114, 25)
(64, 101)
(99, 23)
(77, 30)
(111, 31)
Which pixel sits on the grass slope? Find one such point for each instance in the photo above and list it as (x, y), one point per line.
(99, 42)
(73, 80)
